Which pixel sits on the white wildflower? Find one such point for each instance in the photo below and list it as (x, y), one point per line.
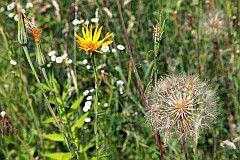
(59, 60)
(13, 62)
(120, 47)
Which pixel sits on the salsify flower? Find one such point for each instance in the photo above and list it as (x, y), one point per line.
(33, 29)
(35, 32)
(90, 41)
(181, 105)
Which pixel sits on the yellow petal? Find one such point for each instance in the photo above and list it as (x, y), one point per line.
(90, 34)
(95, 33)
(83, 32)
(97, 36)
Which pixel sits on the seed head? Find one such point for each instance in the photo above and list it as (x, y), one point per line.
(214, 22)
(181, 105)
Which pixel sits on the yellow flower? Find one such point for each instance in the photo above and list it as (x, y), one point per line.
(90, 42)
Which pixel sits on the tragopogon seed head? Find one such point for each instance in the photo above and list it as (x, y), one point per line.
(181, 105)
(214, 22)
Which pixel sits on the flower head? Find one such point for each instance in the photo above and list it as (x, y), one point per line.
(105, 49)
(120, 47)
(181, 105)
(94, 20)
(59, 59)
(213, 22)
(13, 62)
(29, 5)
(33, 29)
(10, 6)
(76, 22)
(90, 41)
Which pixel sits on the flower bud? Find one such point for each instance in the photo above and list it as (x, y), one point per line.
(22, 33)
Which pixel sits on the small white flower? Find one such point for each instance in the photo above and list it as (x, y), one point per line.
(29, 5)
(2, 9)
(227, 144)
(87, 120)
(88, 66)
(86, 22)
(51, 53)
(94, 20)
(88, 103)
(120, 83)
(13, 62)
(81, 21)
(120, 47)
(11, 15)
(92, 90)
(3, 114)
(105, 104)
(89, 98)
(85, 61)
(85, 108)
(59, 60)
(99, 103)
(114, 50)
(64, 56)
(76, 22)
(69, 61)
(10, 6)
(16, 17)
(53, 58)
(105, 48)
(85, 93)
(23, 11)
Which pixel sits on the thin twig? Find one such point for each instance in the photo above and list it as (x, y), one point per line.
(157, 137)
(184, 147)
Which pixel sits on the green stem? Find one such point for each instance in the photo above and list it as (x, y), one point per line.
(70, 145)
(96, 106)
(36, 120)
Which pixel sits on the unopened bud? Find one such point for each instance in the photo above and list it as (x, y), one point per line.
(22, 33)
(39, 56)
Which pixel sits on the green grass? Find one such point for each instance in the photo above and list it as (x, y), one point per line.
(124, 132)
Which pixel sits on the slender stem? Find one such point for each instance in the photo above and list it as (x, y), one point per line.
(184, 147)
(20, 139)
(75, 52)
(96, 106)
(24, 145)
(71, 145)
(36, 120)
(71, 148)
(137, 76)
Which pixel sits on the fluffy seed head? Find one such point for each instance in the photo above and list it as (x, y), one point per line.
(214, 22)
(181, 105)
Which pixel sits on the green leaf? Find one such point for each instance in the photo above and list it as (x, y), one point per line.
(49, 120)
(59, 155)
(54, 137)
(56, 86)
(76, 104)
(90, 145)
(65, 92)
(80, 122)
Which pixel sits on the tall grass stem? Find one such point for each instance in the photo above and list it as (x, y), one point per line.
(157, 137)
